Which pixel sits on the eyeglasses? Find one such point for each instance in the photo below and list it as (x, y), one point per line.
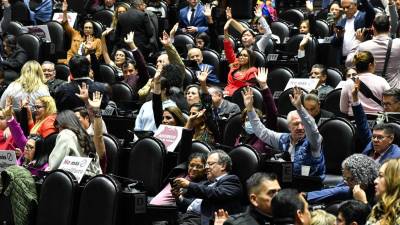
(210, 164)
(379, 138)
(196, 166)
(38, 107)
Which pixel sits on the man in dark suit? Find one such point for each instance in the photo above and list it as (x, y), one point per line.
(222, 191)
(192, 19)
(196, 55)
(222, 108)
(135, 19)
(261, 188)
(313, 107)
(65, 95)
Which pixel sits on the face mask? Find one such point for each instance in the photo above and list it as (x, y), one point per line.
(248, 128)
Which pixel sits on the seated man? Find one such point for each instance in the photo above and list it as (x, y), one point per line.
(222, 191)
(318, 71)
(352, 212)
(290, 207)
(222, 108)
(303, 143)
(261, 188)
(50, 75)
(192, 19)
(313, 107)
(196, 55)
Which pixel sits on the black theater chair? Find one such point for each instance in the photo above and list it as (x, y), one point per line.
(99, 201)
(233, 128)
(57, 35)
(57, 202)
(284, 105)
(14, 28)
(122, 95)
(280, 29)
(334, 76)
(62, 71)
(147, 161)
(278, 78)
(212, 57)
(181, 42)
(108, 74)
(294, 16)
(338, 143)
(112, 149)
(200, 147)
(332, 102)
(245, 161)
(260, 59)
(104, 16)
(31, 44)
(238, 98)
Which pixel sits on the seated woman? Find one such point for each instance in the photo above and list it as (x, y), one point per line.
(45, 114)
(80, 40)
(14, 57)
(73, 140)
(387, 191)
(31, 83)
(242, 71)
(35, 157)
(364, 63)
(121, 8)
(194, 170)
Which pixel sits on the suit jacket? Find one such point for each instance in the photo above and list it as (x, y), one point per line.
(250, 217)
(65, 94)
(199, 20)
(225, 194)
(137, 21)
(227, 109)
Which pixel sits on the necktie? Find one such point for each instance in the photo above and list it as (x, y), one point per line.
(192, 16)
(215, 112)
(376, 155)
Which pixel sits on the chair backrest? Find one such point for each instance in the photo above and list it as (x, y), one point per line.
(332, 102)
(99, 201)
(269, 48)
(284, 105)
(280, 29)
(212, 57)
(15, 28)
(147, 163)
(122, 92)
(57, 199)
(189, 77)
(151, 69)
(245, 161)
(50, 142)
(108, 74)
(57, 35)
(201, 147)
(181, 41)
(334, 76)
(31, 44)
(396, 127)
(62, 71)
(260, 59)
(237, 98)
(282, 125)
(278, 78)
(104, 16)
(221, 42)
(338, 142)
(321, 28)
(294, 16)
(112, 150)
(292, 45)
(233, 128)
(98, 28)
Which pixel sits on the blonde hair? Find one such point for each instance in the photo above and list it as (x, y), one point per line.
(116, 14)
(49, 105)
(32, 76)
(388, 208)
(320, 217)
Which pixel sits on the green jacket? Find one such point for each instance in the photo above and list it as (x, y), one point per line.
(22, 191)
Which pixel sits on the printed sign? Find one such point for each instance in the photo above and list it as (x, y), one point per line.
(71, 17)
(169, 135)
(41, 31)
(76, 165)
(7, 158)
(305, 83)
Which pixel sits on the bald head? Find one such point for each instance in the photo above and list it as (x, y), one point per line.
(196, 55)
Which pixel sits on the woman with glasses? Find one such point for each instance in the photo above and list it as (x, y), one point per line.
(387, 191)
(242, 71)
(30, 84)
(35, 158)
(194, 170)
(45, 112)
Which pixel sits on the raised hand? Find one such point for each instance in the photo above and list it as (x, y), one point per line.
(359, 194)
(228, 12)
(64, 6)
(309, 6)
(5, 3)
(258, 11)
(295, 97)
(207, 10)
(165, 39)
(83, 92)
(202, 77)
(8, 110)
(130, 37)
(262, 77)
(24, 103)
(107, 31)
(96, 101)
(304, 41)
(174, 30)
(356, 89)
(248, 99)
(220, 217)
